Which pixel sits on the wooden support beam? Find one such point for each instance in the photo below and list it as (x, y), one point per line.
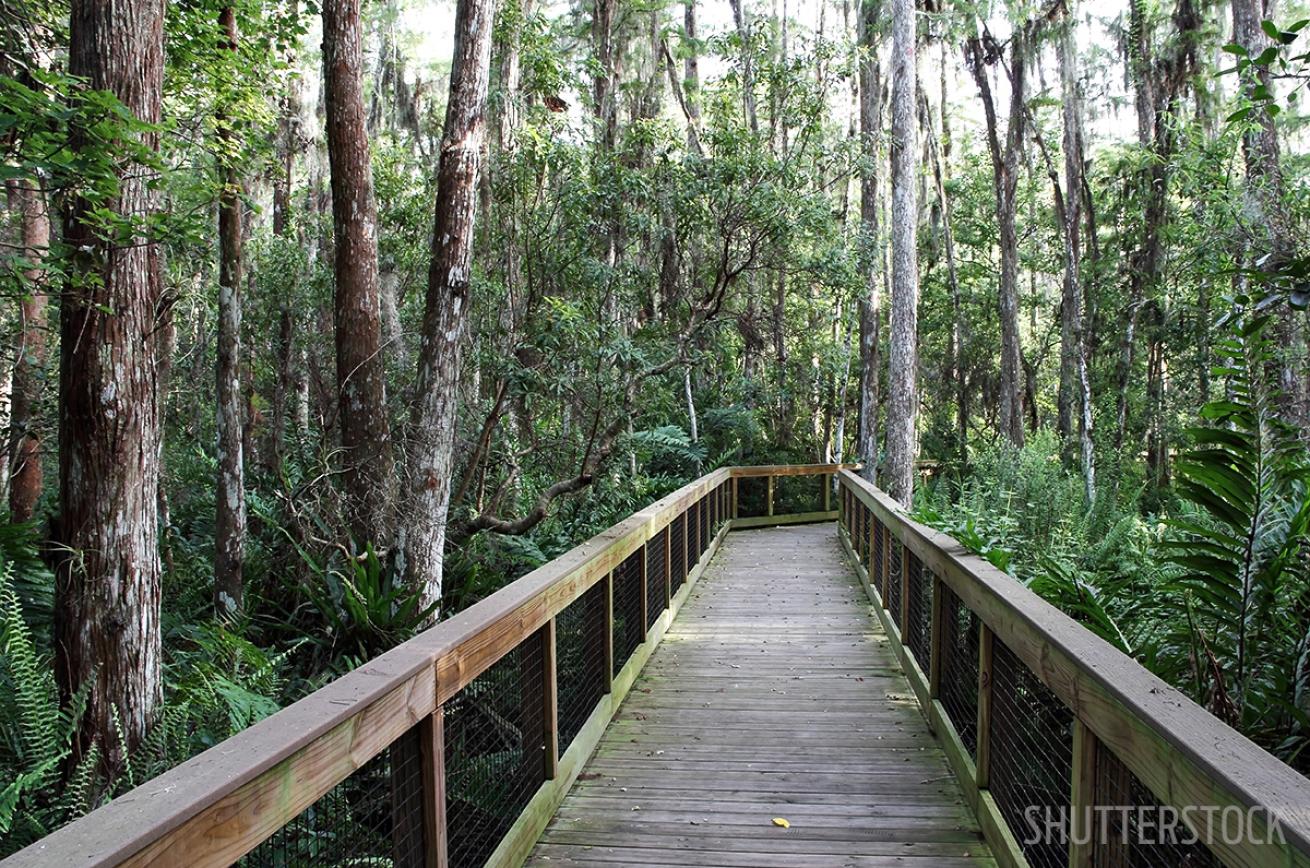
(735, 512)
(984, 762)
(432, 742)
(550, 698)
(826, 482)
(1083, 798)
(770, 495)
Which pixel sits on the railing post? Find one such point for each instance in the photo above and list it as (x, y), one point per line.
(550, 698)
(937, 630)
(609, 632)
(432, 743)
(827, 480)
(734, 497)
(984, 749)
(1083, 797)
(770, 495)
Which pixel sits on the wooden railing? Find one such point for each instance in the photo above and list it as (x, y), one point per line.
(454, 748)
(1041, 718)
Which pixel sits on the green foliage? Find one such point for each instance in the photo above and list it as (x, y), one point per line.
(1242, 554)
(36, 735)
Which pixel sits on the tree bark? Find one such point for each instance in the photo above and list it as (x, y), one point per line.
(870, 111)
(1271, 241)
(1075, 385)
(110, 409)
(902, 372)
(445, 316)
(230, 502)
(980, 53)
(368, 468)
(26, 477)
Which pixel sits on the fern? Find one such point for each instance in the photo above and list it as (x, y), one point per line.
(1241, 556)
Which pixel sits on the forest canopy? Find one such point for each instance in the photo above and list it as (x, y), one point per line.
(322, 320)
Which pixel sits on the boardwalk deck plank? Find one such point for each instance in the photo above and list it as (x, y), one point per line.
(774, 694)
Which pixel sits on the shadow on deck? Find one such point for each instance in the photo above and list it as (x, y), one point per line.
(774, 694)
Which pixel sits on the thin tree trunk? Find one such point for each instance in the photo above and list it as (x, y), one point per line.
(1075, 386)
(902, 372)
(368, 468)
(747, 66)
(871, 90)
(1266, 217)
(26, 477)
(445, 317)
(230, 502)
(1005, 179)
(954, 349)
(110, 415)
(691, 404)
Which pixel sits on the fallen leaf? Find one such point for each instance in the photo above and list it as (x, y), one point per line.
(781, 821)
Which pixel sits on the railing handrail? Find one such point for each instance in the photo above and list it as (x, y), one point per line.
(1181, 752)
(399, 689)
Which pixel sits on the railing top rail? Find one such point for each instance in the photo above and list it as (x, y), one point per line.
(1186, 755)
(407, 683)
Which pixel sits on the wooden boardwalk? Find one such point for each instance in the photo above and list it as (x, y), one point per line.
(774, 694)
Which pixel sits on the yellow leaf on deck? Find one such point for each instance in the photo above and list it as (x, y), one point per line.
(781, 821)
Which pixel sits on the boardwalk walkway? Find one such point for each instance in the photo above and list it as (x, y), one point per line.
(774, 694)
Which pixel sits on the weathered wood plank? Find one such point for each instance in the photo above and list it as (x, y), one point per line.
(774, 695)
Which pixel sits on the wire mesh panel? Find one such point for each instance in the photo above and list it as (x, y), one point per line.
(495, 752)
(958, 689)
(628, 629)
(876, 556)
(677, 553)
(1031, 748)
(655, 577)
(858, 536)
(373, 817)
(918, 616)
(752, 496)
(579, 661)
(1130, 829)
(703, 522)
(793, 495)
(892, 551)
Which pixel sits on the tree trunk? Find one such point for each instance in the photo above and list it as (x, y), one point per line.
(902, 371)
(230, 518)
(1271, 238)
(1005, 176)
(870, 111)
(368, 468)
(955, 349)
(445, 315)
(110, 410)
(747, 66)
(1075, 387)
(26, 479)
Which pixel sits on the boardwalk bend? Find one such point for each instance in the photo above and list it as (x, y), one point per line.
(772, 666)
